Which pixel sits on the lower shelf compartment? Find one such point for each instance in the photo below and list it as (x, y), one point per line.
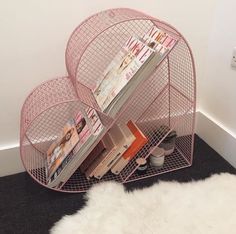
(78, 181)
(180, 158)
(172, 162)
(164, 105)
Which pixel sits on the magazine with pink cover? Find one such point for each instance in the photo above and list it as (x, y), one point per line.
(83, 129)
(133, 55)
(96, 123)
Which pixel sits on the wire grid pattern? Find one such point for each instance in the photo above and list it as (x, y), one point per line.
(141, 97)
(91, 28)
(185, 143)
(45, 95)
(78, 181)
(167, 97)
(86, 96)
(48, 125)
(179, 105)
(184, 111)
(181, 67)
(47, 122)
(168, 28)
(175, 161)
(141, 100)
(103, 49)
(155, 116)
(45, 112)
(161, 112)
(33, 160)
(172, 162)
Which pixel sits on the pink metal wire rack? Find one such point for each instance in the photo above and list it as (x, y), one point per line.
(167, 97)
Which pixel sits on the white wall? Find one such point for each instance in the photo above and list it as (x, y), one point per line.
(33, 37)
(34, 33)
(217, 137)
(218, 87)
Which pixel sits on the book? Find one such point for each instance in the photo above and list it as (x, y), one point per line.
(138, 143)
(100, 147)
(61, 147)
(109, 147)
(87, 137)
(122, 138)
(122, 69)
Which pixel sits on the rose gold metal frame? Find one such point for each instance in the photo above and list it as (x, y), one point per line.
(167, 97)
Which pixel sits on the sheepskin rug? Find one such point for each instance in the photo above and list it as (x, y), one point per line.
(201, 207)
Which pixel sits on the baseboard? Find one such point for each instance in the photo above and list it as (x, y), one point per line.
(10, 161)
(216, 136)
(213, 134)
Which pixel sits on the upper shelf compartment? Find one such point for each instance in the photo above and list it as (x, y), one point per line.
(96, 41)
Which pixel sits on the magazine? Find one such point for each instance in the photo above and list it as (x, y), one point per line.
(159, 40)
(60, 148)
(87, 136)
(121, 70)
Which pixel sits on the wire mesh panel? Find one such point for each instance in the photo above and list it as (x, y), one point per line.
(165, 98)
(44, 114)
(97, 27)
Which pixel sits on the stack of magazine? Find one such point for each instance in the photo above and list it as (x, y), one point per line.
(134, 63)
(68, 152)
(136, 60)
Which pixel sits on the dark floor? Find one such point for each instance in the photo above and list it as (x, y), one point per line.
(26, 207)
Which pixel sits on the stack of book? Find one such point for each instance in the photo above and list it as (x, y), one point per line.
(121, 144)
(134, 63)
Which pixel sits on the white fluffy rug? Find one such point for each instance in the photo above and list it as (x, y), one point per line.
(203, 207)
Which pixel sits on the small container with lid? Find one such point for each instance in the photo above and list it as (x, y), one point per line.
(142, 162)
(157, 157)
